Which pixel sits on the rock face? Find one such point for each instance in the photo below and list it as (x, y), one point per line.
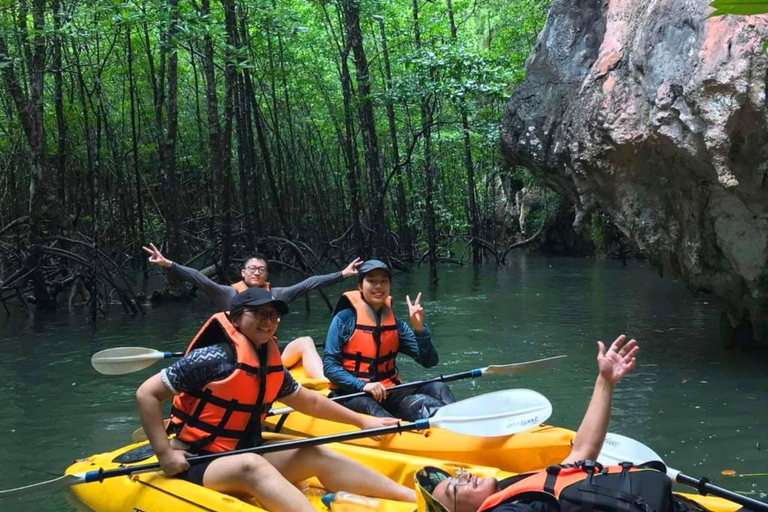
(657, 115)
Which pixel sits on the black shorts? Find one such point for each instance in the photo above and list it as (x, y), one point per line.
(195, 473)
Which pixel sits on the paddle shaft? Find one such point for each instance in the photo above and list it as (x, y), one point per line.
(478, 372)
(99, 474)
(705, 487)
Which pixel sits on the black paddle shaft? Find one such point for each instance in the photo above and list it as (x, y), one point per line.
(442, 378)
(704, 487)
(101, 474)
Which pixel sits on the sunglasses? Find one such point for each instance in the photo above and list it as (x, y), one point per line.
(461, 479)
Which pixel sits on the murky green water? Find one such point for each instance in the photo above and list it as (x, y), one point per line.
(703, 409)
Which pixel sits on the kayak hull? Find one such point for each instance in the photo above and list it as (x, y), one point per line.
(527, 451)
(152, 492)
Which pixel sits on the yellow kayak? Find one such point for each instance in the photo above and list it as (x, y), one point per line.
(526, 451)
(152, 492)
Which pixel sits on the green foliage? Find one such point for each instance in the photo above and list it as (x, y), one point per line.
(291, 51)
(599, 230)
(742, 8)
(739, 7)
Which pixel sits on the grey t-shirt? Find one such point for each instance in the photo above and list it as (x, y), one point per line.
(222, 294)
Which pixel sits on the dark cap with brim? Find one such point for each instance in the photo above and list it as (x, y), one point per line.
(426, 480)
(254, 297)
(371, 265)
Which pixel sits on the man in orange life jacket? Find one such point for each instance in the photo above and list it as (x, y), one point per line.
(536, 492)
(363, 341)
(254, 274)
(221, 392)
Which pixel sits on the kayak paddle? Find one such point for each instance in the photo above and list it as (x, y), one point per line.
(122, 360)
(618, 448)
(497, 369)
(503, 413)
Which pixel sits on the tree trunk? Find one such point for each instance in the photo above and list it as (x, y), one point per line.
(135, 150)
(168, 141)
(244, 144)
(378, 218)
(429, 170)
(472, 213)
(350, 148)
(225, 140)
(279, 175)
(58, 99)
(404, 230)
(30, 111)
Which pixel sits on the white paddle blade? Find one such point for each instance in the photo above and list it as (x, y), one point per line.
(140, 436)
(618, 448)
(520, 368)
(494, 414)
(122, 360)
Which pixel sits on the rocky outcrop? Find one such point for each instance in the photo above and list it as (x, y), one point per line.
(657, 115)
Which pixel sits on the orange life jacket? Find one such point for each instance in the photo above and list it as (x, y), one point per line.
(227, 414)
(590, 486)
(370, 352)
(240, 286)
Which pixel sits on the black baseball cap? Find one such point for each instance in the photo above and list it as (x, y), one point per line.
(253, 297)
(370, 266)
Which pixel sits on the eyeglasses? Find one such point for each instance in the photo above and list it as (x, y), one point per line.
(261, 316)
(256, 270)
(462, 478)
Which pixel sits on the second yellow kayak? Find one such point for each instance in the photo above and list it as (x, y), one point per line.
(526, 451)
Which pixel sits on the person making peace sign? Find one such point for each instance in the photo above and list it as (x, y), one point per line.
(363, 341)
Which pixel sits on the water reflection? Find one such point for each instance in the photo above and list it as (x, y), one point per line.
(700, 407)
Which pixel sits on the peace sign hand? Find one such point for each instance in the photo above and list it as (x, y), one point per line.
(156, 257)
(416, 313)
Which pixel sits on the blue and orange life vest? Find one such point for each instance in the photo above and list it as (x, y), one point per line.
(372, 349)
(227, 414)
(590, 486)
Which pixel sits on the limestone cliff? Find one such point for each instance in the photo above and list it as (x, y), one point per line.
(657, 115)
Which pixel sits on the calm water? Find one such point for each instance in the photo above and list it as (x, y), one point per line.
(703, 409)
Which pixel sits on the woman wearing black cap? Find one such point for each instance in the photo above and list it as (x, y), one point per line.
(361, 348)
(221, 391)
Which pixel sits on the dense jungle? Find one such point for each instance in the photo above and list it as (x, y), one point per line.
(311, 131)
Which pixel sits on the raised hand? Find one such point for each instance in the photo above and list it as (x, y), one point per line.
(351, 269)
(156, 257)
(614, 363)
(416, 313)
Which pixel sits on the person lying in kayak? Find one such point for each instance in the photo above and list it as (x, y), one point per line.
(254, 274)
(362, 345)
(221, 391)
(468, 493)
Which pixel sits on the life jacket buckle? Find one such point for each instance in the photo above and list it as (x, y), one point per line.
(589, 466)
